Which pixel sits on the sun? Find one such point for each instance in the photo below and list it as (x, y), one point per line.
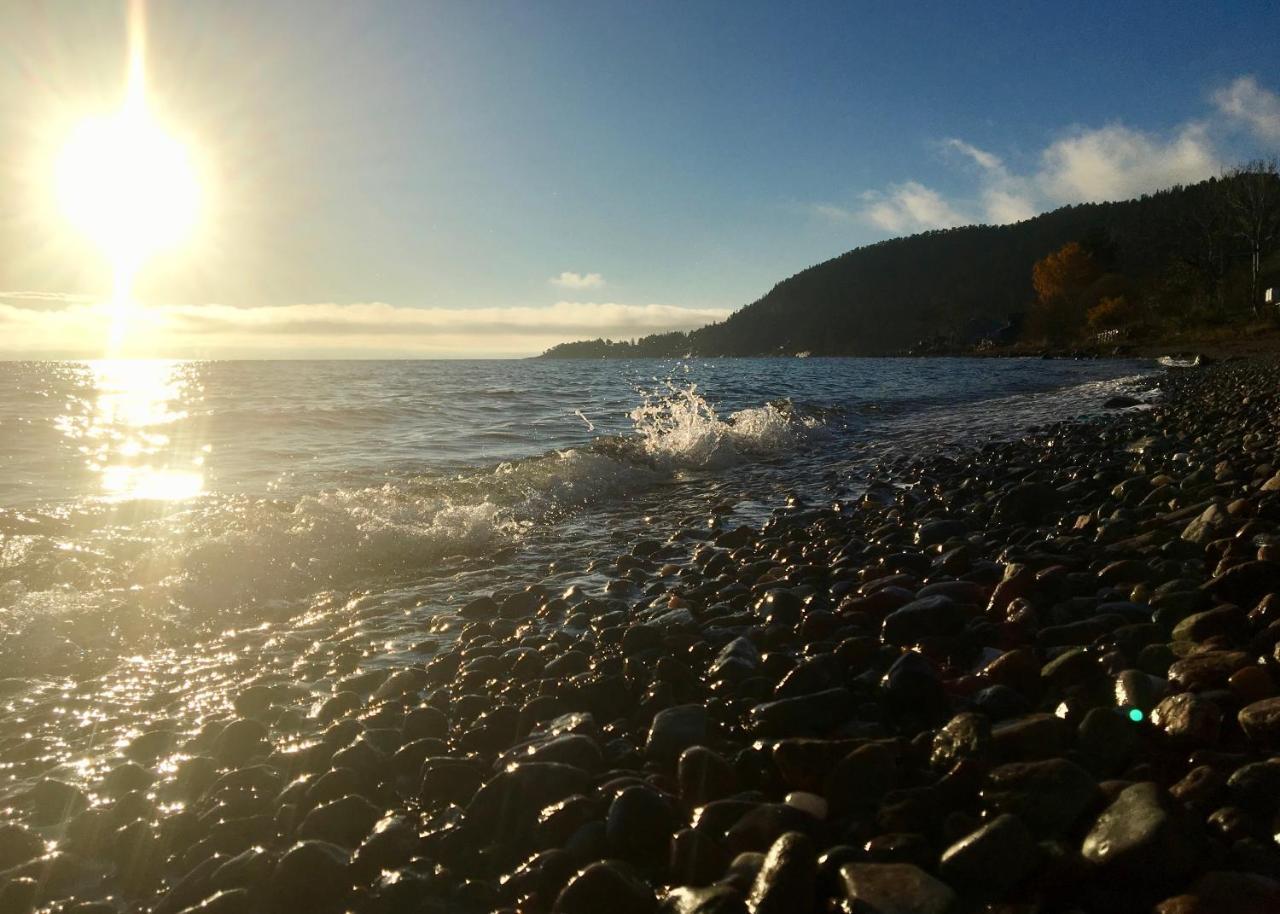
(128, 186)
(123, 181)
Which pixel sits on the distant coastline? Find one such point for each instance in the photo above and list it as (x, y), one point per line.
(1188, 267)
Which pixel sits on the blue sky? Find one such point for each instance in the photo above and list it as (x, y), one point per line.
(425, 178)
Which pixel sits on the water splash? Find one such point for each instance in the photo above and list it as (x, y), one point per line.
(679, 429)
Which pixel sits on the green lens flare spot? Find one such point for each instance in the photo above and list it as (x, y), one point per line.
(1135, 715)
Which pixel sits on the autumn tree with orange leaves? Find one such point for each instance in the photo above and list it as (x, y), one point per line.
(1062, 281)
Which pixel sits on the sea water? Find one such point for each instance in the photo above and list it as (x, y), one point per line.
(174, 530)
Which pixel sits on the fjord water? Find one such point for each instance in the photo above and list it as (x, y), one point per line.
(173, 531)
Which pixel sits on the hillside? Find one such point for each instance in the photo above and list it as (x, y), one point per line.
(1177, 251)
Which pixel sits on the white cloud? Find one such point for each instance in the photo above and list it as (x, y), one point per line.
(1116, 162)
(571, 280)
(32, 296)
(372, 328)
(911, 207)
(988, 160)
(1246, 102)
(1083, 164)
(1005, 206)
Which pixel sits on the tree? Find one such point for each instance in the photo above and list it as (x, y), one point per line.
(1061, 281)
(1253, 198)
(1111, 314)
(1065, 273)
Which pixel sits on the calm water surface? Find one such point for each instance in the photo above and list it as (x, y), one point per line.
(174, 530)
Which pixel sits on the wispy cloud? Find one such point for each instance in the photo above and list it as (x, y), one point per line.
(1082, 164)
(1116, 162)
(570, 280)
(910, 207)
(373, 328)
(1248, 103)
(988, 160)
(44, 298)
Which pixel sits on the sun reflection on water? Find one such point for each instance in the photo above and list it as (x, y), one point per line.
(129, 435)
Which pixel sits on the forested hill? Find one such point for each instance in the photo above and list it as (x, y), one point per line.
(886, 296)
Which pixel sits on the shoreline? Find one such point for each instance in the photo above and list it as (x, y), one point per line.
(1038, 674)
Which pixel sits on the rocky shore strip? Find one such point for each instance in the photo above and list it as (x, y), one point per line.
(1037, 677)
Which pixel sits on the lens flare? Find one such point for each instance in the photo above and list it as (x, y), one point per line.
(127, 184)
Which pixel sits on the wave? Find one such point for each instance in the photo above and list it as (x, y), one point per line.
(219, 555)
(681, 430)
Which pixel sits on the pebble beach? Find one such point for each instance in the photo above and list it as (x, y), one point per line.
(1033, 676)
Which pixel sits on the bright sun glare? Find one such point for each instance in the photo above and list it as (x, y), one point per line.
(124, 182)
(128, 186)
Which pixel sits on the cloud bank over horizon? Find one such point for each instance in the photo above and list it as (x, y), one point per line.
(1081, 165)
(53, 326)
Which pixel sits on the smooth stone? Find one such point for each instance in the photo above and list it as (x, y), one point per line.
(1027, 503)
(715, 899)
(1136, 689)
(1225, 892)
(125, 777)
(806, 715)
(1000, 702)
(1032, 738)
(913, 688)
(1049, 796)
(895, 888)
(447, 778)
(674, 730)
(939, 531)
(787, 880)
(928, 617)
(1257, 786)
(425, 723)
(244, 870)
(1206, 526)
(1107, 738)
(805, 763)
(241, 740)
(1222, 620)
(391, 844)
(811, 803)
(344, 821)
(966, 736)
(703, 776)
(814, 674)
(50, 801)
(1141, 837)
(696, 858)
(992, 859)
(1261, 721)
(520, 604)
(508, 803)
(310, 875)
(1208, 670)
(479, 609)
(576, 749)
(18, 844)
(605, 886)
(1247, 583)
(861, 778)
(737, 659)
(639, 825)
(756, 830)
(1188, 719)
